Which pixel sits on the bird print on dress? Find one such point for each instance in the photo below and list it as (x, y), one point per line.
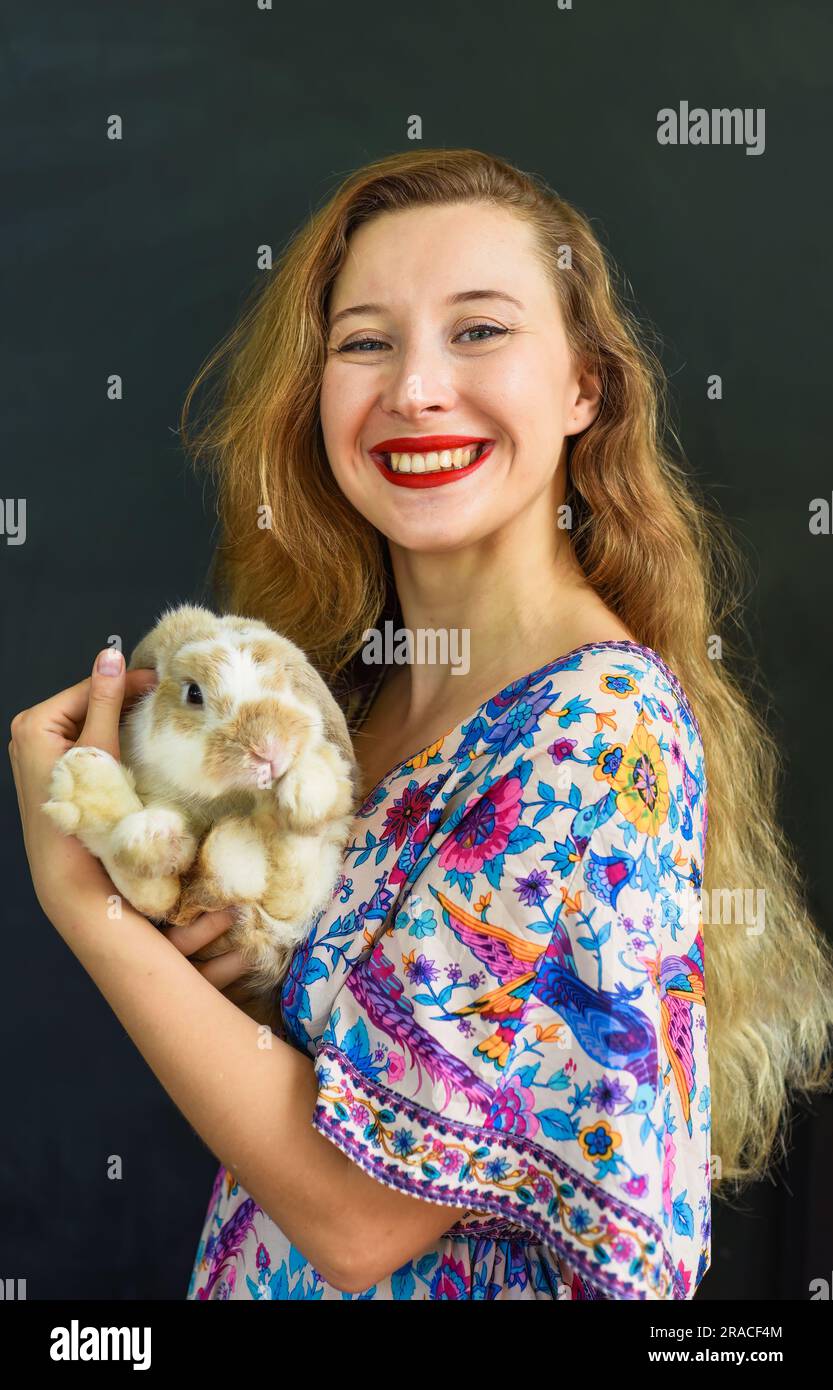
(681, 984)
(605, 1024)
(376, 989)
(589, 818)
(504, 1003)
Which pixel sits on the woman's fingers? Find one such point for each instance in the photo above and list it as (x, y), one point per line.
(222, 970)
(65, 712)
(101, 725)
(204, 929)
(73, 702)
(107, 691)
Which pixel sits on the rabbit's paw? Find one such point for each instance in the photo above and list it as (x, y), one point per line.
(153, 843)
(154, 897)
(307, 792)
(88, 790)
(233, 858)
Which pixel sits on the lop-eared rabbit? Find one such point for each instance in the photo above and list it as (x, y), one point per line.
(237, 786)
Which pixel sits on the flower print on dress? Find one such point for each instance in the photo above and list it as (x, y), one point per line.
(505, 1002)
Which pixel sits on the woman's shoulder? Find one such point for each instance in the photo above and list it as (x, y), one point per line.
(604, 684)
(606, 727)
(621, 667)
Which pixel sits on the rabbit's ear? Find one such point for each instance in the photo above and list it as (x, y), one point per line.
(189, 622)
(310, 686)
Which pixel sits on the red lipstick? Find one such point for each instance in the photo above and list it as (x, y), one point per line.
(428, 444)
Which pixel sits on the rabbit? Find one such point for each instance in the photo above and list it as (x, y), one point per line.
(237, 786)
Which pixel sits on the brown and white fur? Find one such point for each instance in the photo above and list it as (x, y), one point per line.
(243, 800)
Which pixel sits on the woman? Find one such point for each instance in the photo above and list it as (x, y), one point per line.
(491, 1077)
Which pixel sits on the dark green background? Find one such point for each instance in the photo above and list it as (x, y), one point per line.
(135, 257)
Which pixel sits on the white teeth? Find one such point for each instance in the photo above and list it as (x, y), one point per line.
(434, 463)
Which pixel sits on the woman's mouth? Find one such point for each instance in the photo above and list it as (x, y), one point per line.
(432, 461)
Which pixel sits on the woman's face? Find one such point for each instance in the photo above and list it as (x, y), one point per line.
(424, 363)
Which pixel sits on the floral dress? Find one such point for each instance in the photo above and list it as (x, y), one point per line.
(505, 1005)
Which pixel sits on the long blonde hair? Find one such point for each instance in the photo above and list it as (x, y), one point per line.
(297, 554)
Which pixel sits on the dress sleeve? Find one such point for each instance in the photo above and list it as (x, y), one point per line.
(526, 1038)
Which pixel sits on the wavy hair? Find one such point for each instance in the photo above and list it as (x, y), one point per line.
(294, 552)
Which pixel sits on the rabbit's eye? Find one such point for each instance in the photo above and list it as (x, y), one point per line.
(193, 695)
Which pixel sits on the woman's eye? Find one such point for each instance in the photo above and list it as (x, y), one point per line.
(193, 695)
(359, 344)
(482, 327)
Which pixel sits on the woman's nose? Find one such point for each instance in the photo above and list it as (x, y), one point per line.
(422, 380)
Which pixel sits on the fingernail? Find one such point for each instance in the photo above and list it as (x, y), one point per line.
(109, 662)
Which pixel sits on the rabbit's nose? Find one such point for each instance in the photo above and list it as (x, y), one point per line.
(265, 772)
(272, 757)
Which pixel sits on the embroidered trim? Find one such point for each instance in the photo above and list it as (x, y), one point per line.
(615, 1246)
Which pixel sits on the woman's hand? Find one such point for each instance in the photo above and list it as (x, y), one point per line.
(64, 873)
(221, 971)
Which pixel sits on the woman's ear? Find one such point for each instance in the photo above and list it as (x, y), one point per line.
(587, 400)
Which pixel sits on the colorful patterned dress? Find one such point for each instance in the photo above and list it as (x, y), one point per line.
(505, 1002)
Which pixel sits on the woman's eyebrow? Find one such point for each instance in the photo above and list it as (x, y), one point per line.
(463, 297)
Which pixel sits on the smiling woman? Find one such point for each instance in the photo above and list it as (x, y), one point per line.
(506, 1006)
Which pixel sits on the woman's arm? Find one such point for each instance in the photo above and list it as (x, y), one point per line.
(249, 1095)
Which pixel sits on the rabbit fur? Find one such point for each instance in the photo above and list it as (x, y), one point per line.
(237, 787)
